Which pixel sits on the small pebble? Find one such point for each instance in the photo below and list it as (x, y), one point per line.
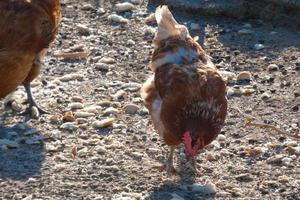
(34, 113)
(273, 67)
(277, 159)
(176, 197)
(52, 148)
(207, 189)
(259, 46)
(100, 11)
(130, 42)
(194, 26)
(83, 29)
(81, 120)
(9, 143)
(154, 150)
(68, 126)
(287, 161)
(59, 167)
(230, 92)
(56, 119)
(118, 19)
(107, 60)
(247, 91)
(102, 67)
(11, 133)
(103, 123)
(247, 25)
(245, 32)
(16, 106)
(68, 117)
(294, 126)
(75, 105)
(81, 114)
(211, 157)
(221, 137)
(31, 141)
(131, 108)
(265, 96)
(118, 94)
(123, 7)
(87, 6)
(71, 77)
(104, 103)
(77, 99)
(244, 177)
(100, 150)
(91, 109)
(244, 76)
(31, 131)
(110, 110)
(136, 2)
(227, 75)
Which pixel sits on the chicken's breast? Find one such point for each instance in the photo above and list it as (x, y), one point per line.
(192, 98)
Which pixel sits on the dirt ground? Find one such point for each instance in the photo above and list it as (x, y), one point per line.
(121, 161)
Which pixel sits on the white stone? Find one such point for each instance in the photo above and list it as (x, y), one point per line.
(259, 46)
(103, 123)
(123, 7)
(76, 105)
(117, 18)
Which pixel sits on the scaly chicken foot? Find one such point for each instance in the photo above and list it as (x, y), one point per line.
(192, 165)
(31, 102)
(169, 165)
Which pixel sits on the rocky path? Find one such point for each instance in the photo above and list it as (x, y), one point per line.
(98, 141)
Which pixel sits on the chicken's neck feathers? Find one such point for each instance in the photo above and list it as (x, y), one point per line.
(179, 56)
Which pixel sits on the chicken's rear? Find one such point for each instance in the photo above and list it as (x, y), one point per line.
(27, 29)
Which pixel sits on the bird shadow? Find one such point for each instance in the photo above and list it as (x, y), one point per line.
(180, 186)
(22, 152)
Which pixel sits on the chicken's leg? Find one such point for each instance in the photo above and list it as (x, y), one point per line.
(31, 101)
(192, 165)
(169, 165)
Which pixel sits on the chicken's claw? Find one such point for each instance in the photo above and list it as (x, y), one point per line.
(192, 165)
(33, 107)
(171, 170)
(29, 111)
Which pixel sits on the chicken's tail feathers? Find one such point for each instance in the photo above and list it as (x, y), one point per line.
(164, 16)
(167, 25)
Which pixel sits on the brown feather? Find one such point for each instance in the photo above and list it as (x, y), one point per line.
(27, 28)
(186, 94)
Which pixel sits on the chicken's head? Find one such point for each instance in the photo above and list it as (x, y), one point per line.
(192, 148)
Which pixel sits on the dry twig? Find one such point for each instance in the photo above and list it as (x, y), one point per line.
(73, 55)
(249, 122)
(74, 150)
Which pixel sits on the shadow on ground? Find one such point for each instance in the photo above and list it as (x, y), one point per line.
(274, 38)
(180, 186)
(24, 161)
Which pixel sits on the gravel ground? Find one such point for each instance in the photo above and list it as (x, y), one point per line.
(99, 143)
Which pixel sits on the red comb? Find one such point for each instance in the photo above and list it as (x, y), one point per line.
(187, 140)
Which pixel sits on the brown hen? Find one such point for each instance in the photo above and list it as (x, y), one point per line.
(186, 96)
(27, 29)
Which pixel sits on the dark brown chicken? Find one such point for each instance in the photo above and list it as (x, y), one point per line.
(186, 96)
(27, 29)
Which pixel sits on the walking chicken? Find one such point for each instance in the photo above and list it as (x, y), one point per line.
(27, 29)
(186, 95)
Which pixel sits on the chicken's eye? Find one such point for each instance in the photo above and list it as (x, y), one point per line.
(45, 22)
